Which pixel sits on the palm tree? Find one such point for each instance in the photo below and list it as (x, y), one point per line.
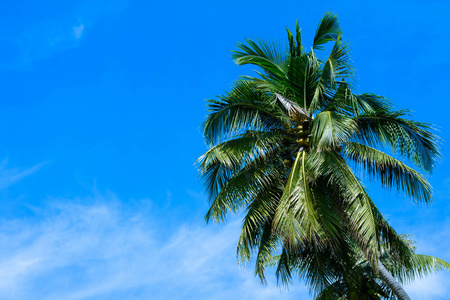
(284, 147)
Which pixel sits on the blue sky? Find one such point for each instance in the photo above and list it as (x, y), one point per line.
(101, 104)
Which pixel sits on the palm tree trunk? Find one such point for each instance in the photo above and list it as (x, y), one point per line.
(392, 283)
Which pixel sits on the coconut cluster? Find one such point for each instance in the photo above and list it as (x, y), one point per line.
(302, 133)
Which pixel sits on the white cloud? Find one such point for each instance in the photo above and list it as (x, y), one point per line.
(432, 287)
(102, 248)
(56, 33)
(78, 31)
(48, 37)
(10, 176)
(108, 250)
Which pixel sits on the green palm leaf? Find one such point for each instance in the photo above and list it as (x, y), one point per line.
(328, 30)
(390, 172)
(405, 137)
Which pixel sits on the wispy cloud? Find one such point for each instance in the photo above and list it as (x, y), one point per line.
(109, 250)
(55, 33)
(432, 287)
(45, 38)
(9, 176)
(78, 31)
(104, 248)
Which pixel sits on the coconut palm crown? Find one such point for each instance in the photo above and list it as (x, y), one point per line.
(284, 146)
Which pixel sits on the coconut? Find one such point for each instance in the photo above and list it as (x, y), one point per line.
(301, 142)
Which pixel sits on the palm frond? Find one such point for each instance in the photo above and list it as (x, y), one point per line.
(296, 216)
(292, 109)
(336, 67)
(224, 160)
(327, 31)
(302, 76)
(259, 211)
(242, 188)
(413, 140)
(267, 248)
(243, 108)
(411, 266)
(283, 264)
(358, 214)
(390, 172)
(330, 129)
(421, 266)
(269, 57)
